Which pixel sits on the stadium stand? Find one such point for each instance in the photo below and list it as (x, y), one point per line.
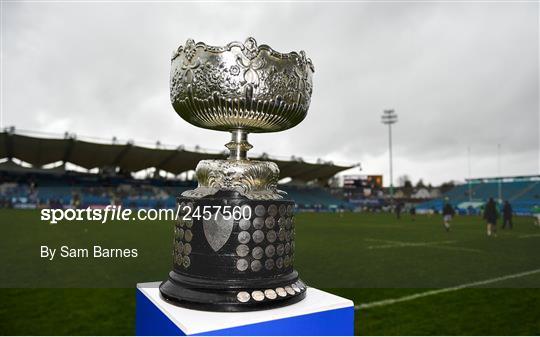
(39, 152)
(314, 198)
(30, 185)
(76, 190)
(522, 192)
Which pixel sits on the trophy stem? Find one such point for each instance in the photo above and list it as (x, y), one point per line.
(239, 145)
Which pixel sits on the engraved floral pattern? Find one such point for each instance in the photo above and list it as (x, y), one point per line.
(204, 80)
(189, 50)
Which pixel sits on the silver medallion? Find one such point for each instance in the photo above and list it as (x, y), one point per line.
(244, 237)
(243, 296)
(257, 253)
(179, 233)
(270, 250)
(271, 236)
(260, 210)
(279, 263)
(257, 295)
(242, 264)
(179, 247)
(281, 292)
(178, 259)
(282, 210)
(270, 294)
(181, 207)
(281, 234)
(244, 224)
(245, 210)
(256, 265)
(258, 236)
(272, 210)
(186, 262)
(269, 222)
(258, 223)
(188, 235)
(289, 210)
(242, 250)
(286, 261)
(269, 264)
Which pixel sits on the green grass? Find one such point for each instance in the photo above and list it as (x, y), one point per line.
(364, 257)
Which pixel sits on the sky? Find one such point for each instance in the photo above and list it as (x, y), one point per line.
(459, 75)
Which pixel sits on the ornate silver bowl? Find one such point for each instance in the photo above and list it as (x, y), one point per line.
(240, 87)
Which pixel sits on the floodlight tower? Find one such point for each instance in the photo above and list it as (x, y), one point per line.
(389, 117)
(469, 171)
(499, 185)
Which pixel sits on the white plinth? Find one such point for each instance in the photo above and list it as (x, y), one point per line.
(320, 313)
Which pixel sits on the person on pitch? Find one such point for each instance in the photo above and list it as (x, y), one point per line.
(398, 209)
(507, 215)
(490, 215)
(448, 212)
(412, 212)
(536, 214)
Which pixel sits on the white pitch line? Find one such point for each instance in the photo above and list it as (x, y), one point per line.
(462, 249)
(410, 244)
(380, 240)
(441, 291)
(430, 244)
(528, 236)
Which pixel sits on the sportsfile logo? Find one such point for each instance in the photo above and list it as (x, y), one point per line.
(118, 213)
(108, 213)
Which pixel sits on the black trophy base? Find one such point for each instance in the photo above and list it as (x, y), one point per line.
(228, 300)
(234, 265)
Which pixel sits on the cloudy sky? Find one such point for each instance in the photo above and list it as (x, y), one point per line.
(458, 75)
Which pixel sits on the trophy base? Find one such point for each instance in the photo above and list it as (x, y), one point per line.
(228, 300)
(240, 264)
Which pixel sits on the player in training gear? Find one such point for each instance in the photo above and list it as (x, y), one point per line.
(448, 212)
(490, 215)
(412, 212)
(507, 215)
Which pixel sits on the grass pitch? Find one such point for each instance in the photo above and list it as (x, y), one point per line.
(365, 257)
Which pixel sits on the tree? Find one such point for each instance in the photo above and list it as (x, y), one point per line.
(420, 184)
(403, 179)
(406, 184)
(447, 186)
(408, 188)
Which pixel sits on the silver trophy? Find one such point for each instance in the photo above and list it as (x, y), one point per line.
(238, 256)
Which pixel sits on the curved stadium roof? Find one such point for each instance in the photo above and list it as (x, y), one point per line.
(131, 158)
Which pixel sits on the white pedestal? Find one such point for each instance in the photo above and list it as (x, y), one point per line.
(320, 313)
